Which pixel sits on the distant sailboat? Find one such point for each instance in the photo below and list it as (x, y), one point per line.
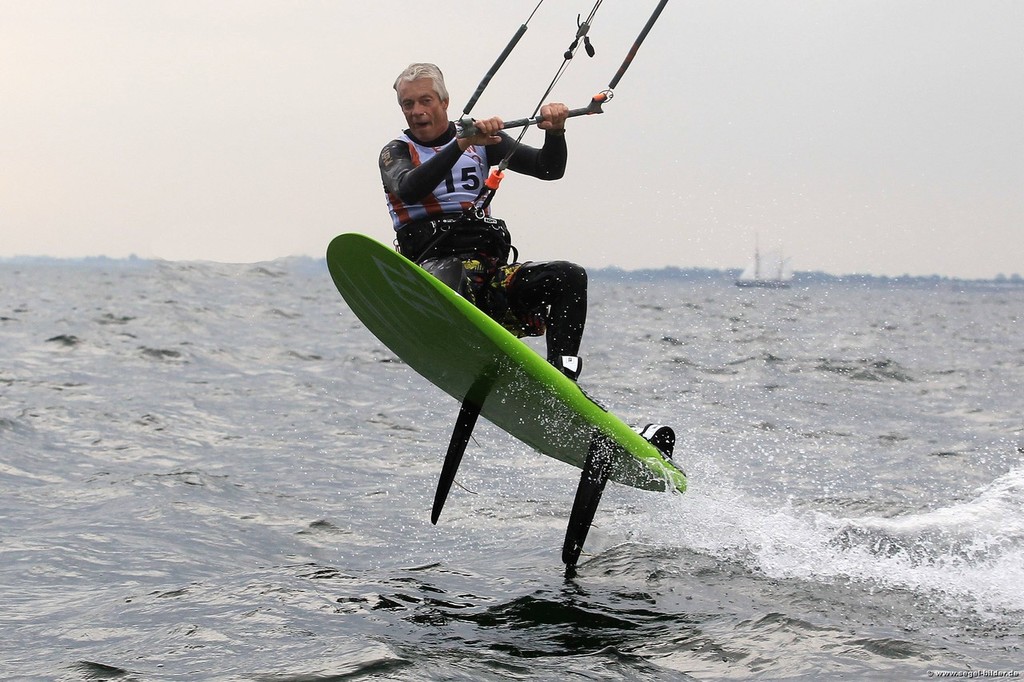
(768, 271)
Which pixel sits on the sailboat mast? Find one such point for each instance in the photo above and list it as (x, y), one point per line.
(757, 258)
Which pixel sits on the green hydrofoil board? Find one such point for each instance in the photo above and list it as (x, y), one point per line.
(461, 350)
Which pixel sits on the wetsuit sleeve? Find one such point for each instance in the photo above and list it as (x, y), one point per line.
(412, 183)
(546, 163)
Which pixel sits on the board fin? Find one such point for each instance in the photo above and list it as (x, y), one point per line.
(464, 423)
(596, 470)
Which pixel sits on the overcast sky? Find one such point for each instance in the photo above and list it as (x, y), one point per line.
(860, 136)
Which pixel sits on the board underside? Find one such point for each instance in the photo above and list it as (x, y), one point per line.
(460, 350)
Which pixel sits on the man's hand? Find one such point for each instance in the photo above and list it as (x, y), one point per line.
(486, 133)
(554, 115)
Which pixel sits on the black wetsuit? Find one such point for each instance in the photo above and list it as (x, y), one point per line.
(411, 182)
(471, 254)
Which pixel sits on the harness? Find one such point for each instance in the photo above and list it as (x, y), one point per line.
(469, 235)
(481, 246)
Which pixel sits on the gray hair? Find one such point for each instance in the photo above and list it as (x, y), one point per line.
(415, 72)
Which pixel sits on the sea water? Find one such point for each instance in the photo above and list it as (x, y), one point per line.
(215, 472)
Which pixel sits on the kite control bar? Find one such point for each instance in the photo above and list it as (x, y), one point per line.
(469, 128)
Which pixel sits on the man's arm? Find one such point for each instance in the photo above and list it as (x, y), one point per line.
(412, 183)
(546, 163)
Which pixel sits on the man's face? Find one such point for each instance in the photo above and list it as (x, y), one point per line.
(425, 112)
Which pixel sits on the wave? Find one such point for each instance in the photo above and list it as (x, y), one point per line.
(967, 556)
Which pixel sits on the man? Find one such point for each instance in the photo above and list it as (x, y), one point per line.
(434, 181)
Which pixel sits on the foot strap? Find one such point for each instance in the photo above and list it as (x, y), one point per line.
(569, 365)
(660, 436)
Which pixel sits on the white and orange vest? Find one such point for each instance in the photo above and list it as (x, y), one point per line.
(459, 191)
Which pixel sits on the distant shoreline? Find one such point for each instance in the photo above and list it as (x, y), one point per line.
(608, 273)
(799, 279)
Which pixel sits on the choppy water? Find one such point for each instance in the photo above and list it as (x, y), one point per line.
(214, 472)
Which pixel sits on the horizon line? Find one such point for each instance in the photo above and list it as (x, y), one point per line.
(685, 271)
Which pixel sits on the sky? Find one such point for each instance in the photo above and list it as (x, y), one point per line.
(880, 137)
